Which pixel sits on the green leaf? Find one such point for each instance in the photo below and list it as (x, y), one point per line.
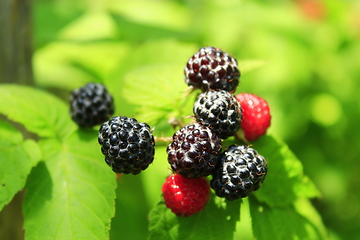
(285, 181)
(169, 14)
(71, 195)
(156, 85)
(286, 222)
(246, 66)
(17, 158)
(69, 65)
(150, 53)
(158, 88)
(130, 221)
(40, 112)
(167, 51)
(91, 26)
(244, 226)
(216, 221)
(305, 208)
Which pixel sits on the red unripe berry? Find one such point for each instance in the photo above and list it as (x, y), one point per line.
(185, 196)
(256, 115)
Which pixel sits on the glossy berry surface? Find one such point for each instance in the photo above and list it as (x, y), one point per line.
(256, 115)
(184, 196)
(91, 105)
(128, 145)
(194, 151)
(220, 111)
(240, 171)
(212, 69)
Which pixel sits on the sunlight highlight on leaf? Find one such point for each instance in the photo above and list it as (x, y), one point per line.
(285, 222)
(157, 88)
(17, 158)
(40, 112)
(71, 195)
(285, 181)
(216, 221)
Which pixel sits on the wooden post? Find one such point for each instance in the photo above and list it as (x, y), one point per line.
(15, 67)
(15, 42)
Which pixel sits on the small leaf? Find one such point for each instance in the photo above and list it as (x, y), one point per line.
(244, 226)
(165, 51)
(216, 221)
(91, 26)
(169, 14)
(246, 66)
(40, 112)
(158, 85)
(305, 208)
(285, 222)
(17, 158)
(71, 195)
(69, 65)
(158, 88)
(285, 181)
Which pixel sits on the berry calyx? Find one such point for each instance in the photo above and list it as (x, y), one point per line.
(240, 171)
(220, 111)
(194, 151)
(184, 196)
(91, 105)
(212, 69)
(128, 145)
(256, 116)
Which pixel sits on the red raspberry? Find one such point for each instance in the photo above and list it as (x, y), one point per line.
(256, 116)
(185, 196)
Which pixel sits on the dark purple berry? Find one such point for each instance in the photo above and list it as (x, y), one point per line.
(194, 151)
(212, 69)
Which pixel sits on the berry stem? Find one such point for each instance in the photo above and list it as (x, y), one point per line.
(180, 122)
(163, 139)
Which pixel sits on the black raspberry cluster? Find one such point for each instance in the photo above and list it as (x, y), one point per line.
(196, 149)
(128, 145)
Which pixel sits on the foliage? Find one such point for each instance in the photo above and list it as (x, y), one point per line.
(305, 64)
(72, 171)
(56, 205)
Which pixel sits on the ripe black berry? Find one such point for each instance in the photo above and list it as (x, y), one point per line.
(91, 105)
(128, 145)
(194, 151)
(220, 111)
(240, 171)
(212, 69)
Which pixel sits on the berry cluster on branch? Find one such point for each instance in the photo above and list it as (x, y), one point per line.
(195, 150)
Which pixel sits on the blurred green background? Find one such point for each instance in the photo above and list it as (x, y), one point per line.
(302, 56)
